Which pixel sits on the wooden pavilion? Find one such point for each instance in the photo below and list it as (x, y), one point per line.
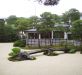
(33, 37)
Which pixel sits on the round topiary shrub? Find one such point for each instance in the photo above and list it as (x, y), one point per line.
(15, 52)
(19, 43)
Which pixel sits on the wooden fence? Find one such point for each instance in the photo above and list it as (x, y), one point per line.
(46, 42)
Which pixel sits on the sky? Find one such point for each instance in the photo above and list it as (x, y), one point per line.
(28, 8)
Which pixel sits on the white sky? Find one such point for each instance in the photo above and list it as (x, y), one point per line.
(27, 8)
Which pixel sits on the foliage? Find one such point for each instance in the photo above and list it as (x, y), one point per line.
(46, 22)
(72, 15)
(10, 34)
(33, 21)
(2, 25)
(11, 20)
(62, 29)
(15, 52)
(65, 17)
(7, 32)
(77, 30)
(22, 24)
(19, 43)
(49, 2)
(72, 50)
(63, 43)
(57, 19)
(69, 46)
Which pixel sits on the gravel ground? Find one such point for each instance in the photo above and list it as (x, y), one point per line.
(63, 64)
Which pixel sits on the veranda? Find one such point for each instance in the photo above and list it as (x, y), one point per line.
(34, 38)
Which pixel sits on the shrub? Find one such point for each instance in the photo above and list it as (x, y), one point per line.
(15, 52)
(66, 43)
(19, 43)
(79, 48)
(72, 50)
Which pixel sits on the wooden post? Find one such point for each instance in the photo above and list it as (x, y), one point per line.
(52, 38)
(26, 38)
(52, 34)
(39, 39)
(34, 39)
(65, 38)
(65, 35)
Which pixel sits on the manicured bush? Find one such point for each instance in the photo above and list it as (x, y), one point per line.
(19, 43)
(15, 52)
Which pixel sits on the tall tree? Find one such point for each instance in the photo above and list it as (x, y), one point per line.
(49, 2)
(47, 22)
(10, 33)
(22, 24)
(11, 20)
(72, 15)
(33, 21)
(2, 29)
(7, 32)
(65, 17)
(56, 18)
(77, 30)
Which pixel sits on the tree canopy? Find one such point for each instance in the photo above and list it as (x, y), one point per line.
(11, 20)
(46, 22)
(49, 2)
(33, 21)
(22, 24)
(72, 15)
(7, 32)
(77, 29)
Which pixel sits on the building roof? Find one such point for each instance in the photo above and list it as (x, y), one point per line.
(64, 25)
(35, 30)
(31, 30)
